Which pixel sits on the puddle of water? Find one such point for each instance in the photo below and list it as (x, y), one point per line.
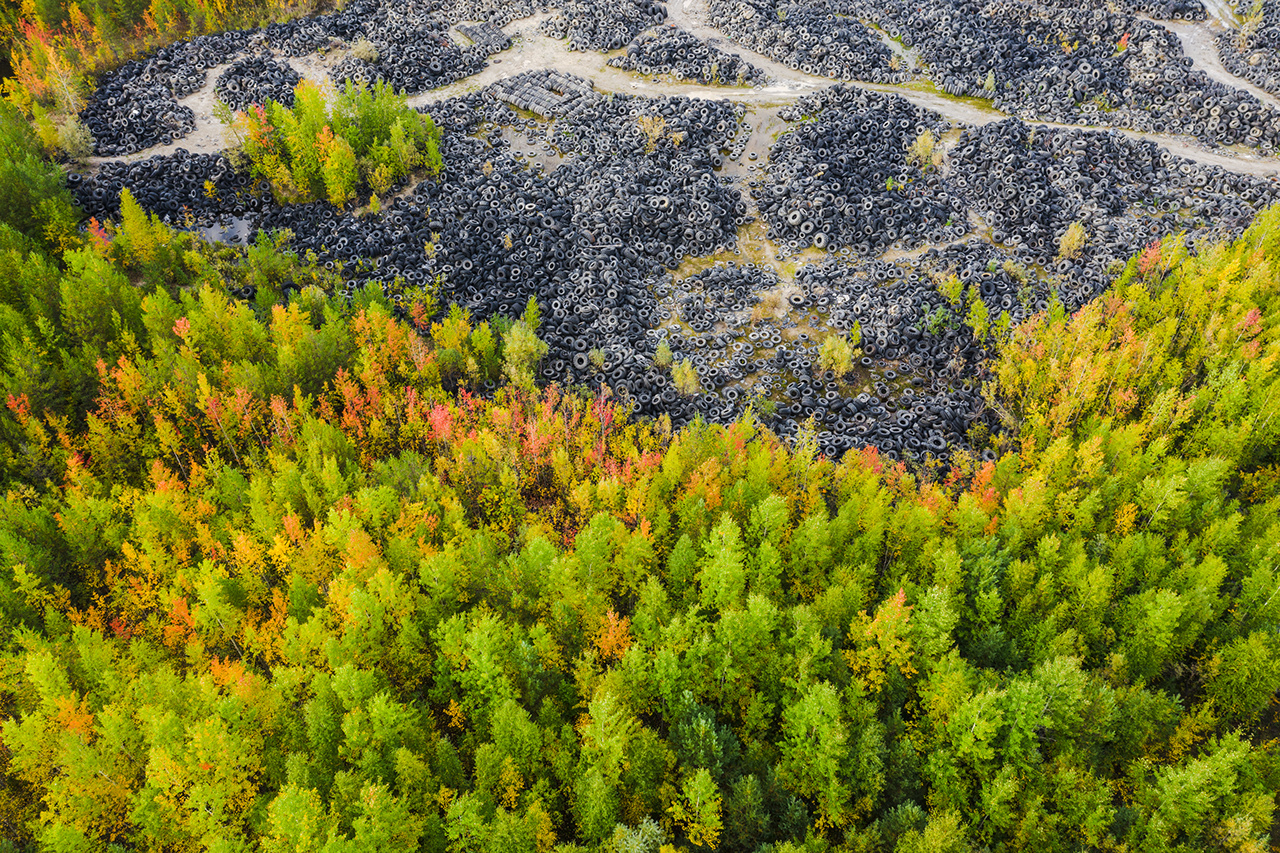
(533, 153)
(233, 229)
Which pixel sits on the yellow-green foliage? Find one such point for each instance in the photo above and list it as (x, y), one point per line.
(685, 377)
(328, 146)
(364, 50)
(75, 140)
(1073, 241)
(45, 127)
(33, 196)
(1017, 271)
(522, 349)
(146, 247)
(951, 289)
(652, 127)
(339, 170)
(836, 354)
(978, 317)
(662, 356)
(1180, 347)
(920, 152)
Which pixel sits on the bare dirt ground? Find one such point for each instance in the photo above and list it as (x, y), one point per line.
(1198, 43)
(532, 50)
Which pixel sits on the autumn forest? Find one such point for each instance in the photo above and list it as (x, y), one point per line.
(285, 567)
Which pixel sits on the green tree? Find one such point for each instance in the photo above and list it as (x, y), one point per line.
(297, 822)
(697, 812)
(1243, 678)
(1072, 242)
(815, 749)
(596, 806)
(340, 176)
(836, 355)
(944, 833)
(33, 198)
(978, 318)
(685, 378)
(722, 578)
(662, 357)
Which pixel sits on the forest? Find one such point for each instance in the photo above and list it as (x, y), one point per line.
(290, 567)
(276, 578)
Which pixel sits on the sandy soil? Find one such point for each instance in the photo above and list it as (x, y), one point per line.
(532, 50)
(1222, 12)
(1198, 43)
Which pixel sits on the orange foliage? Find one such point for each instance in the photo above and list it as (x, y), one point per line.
(181, 627)
(75, 717)
(614, 637)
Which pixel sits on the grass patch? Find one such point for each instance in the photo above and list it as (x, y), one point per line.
(753, 245)
(923, 85)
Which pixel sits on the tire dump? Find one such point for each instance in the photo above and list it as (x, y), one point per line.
(728, 185)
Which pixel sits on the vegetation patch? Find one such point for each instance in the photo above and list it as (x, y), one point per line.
(332, 146)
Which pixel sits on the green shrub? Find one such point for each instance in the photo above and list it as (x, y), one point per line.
(1072, 242)
(951, 289)
(33, 197)
(978, 317)
(836, 354)
(332, 147)
(920, 152)
(662, 355)
(685, 378)
(75, 140)
(364, 50)
(522, 350)
(340, 175)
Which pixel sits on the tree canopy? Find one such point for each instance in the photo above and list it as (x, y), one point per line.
(275, 576)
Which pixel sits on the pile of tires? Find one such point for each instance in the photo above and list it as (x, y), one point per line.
(816, 38)
(603, 26)
(844, 178)
(136, 106)
(256, 80)
(1254, 54)
(1072, 65)
(1030, 184)
(132, 117)
(415, 52)
(670, 50)
(1162, 10)
(585, 240)
(181, 188)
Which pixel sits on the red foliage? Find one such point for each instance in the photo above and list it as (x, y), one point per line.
(1149, 260)
(99, 238)
(20, 406)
